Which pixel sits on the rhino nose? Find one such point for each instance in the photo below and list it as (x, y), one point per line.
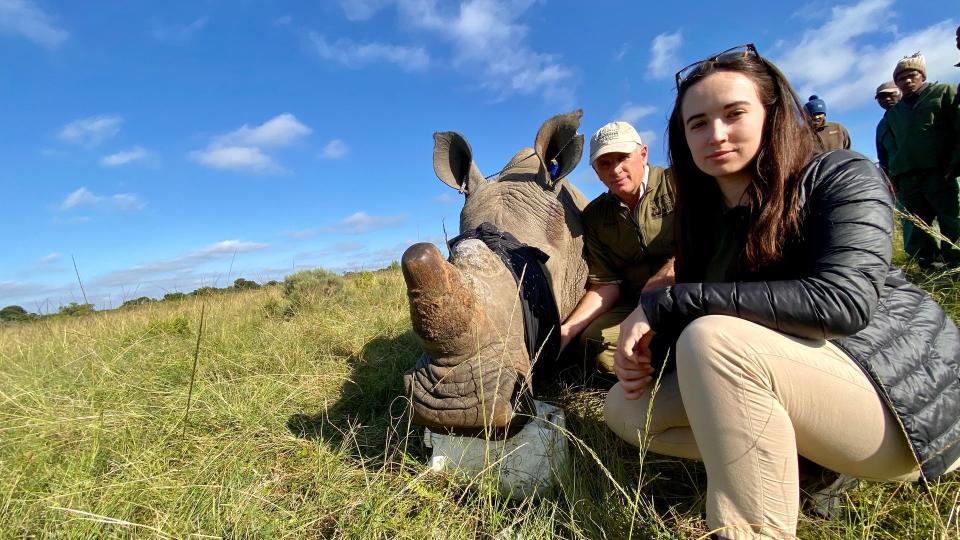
(423, 266)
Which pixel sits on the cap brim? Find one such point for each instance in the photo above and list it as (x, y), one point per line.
(622, 147)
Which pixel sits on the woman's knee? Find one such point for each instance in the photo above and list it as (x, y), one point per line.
(702, 338)
(626, 417)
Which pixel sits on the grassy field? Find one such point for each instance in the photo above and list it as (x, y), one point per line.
(297, 429)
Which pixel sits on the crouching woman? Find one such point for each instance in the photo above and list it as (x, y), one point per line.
(794, 335)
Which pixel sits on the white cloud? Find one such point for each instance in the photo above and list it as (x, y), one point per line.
(179, 269)
(178, 34)
(335, 149)
(445, 198)
(487, 40)
(833, 62)
(361, 10)
(119, 201)
(361, 222)
(242, 149)
(281, 130)
(23, 18)
(634, 113)
(122, 158)
(663, 55)
(91, 131)
(302, 234)
(50, 259)
(648, 137)
(354, 55)
(236, 158)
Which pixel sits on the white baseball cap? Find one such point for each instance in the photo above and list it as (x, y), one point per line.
(614, 137)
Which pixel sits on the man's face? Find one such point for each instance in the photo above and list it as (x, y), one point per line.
(909, 81)
(887, 99)
(819, 119)
(622, 173)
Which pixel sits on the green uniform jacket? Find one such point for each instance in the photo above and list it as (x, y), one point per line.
(927, 133)
(833, 136)
(886, 144)
(627, 248)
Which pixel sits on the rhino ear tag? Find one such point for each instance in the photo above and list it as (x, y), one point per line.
(558, 142)
(453, 162)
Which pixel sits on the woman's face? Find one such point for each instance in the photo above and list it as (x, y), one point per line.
(723, 122)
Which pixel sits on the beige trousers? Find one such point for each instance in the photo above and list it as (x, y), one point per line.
(746, 400)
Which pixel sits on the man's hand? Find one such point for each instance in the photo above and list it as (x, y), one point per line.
(664, 278)
(631, 361)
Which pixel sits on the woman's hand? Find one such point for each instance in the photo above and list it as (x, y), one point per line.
(631, 361)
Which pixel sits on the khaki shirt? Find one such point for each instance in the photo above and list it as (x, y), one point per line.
(833, 136)
(628, 248)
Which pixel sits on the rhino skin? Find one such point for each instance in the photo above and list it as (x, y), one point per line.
(466, 314)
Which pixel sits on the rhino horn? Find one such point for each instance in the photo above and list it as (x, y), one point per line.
(453, 162)
(558, 140)
(442, 307)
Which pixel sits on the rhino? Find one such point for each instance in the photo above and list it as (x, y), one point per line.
(465, 312)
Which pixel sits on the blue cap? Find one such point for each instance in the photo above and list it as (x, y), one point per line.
(815, 106)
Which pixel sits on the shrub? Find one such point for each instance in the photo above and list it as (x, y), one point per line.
(14, 313)
(75, 309)
(137, 302)
(174, 296)
(245, 284)
(306, 288)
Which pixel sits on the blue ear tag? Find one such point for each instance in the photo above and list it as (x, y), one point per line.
(553, 168)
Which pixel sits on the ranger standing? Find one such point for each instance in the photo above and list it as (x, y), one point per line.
(925, 160)
(832, 135)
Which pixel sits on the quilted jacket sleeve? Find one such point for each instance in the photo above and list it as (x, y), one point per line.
(847, 231)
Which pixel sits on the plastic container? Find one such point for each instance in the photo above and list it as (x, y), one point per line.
(526, 464)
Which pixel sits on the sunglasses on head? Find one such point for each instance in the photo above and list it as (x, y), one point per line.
(728, 56)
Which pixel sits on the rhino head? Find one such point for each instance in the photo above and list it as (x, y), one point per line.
(465, 313)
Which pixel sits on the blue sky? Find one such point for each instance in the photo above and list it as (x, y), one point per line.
(169, 145)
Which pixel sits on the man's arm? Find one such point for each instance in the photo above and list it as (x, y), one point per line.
(600, 297)
(664, 278)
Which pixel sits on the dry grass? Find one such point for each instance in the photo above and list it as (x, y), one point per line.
(297, 430)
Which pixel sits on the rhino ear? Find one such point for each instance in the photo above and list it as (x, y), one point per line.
(559, 141)
(453, 162)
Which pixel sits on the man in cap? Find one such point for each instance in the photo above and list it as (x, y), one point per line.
(628, 241)
(887, 96)
(832, 135)
(925, 159)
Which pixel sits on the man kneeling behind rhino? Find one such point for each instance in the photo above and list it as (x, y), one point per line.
(628, 236)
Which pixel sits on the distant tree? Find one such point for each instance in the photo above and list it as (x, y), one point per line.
(271, 283)
(137, 302)
(174, 296)
(206, 291)
(14, 313)
(75, 309)
(245, 284)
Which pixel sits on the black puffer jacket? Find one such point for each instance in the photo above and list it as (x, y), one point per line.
(836, 283)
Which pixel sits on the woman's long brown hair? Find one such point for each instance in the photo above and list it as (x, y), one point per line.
(786, 147)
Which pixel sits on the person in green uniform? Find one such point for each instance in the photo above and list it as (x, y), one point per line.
(628, 241)
(925, 161)
(887, 96)
(831, 135)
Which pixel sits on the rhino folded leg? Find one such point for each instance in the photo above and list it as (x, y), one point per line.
(467, 395)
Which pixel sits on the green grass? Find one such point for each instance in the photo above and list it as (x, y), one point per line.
(297, 429)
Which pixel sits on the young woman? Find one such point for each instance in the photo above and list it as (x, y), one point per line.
(794, 335)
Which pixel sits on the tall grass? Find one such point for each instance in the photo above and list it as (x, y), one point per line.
(297, 429)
